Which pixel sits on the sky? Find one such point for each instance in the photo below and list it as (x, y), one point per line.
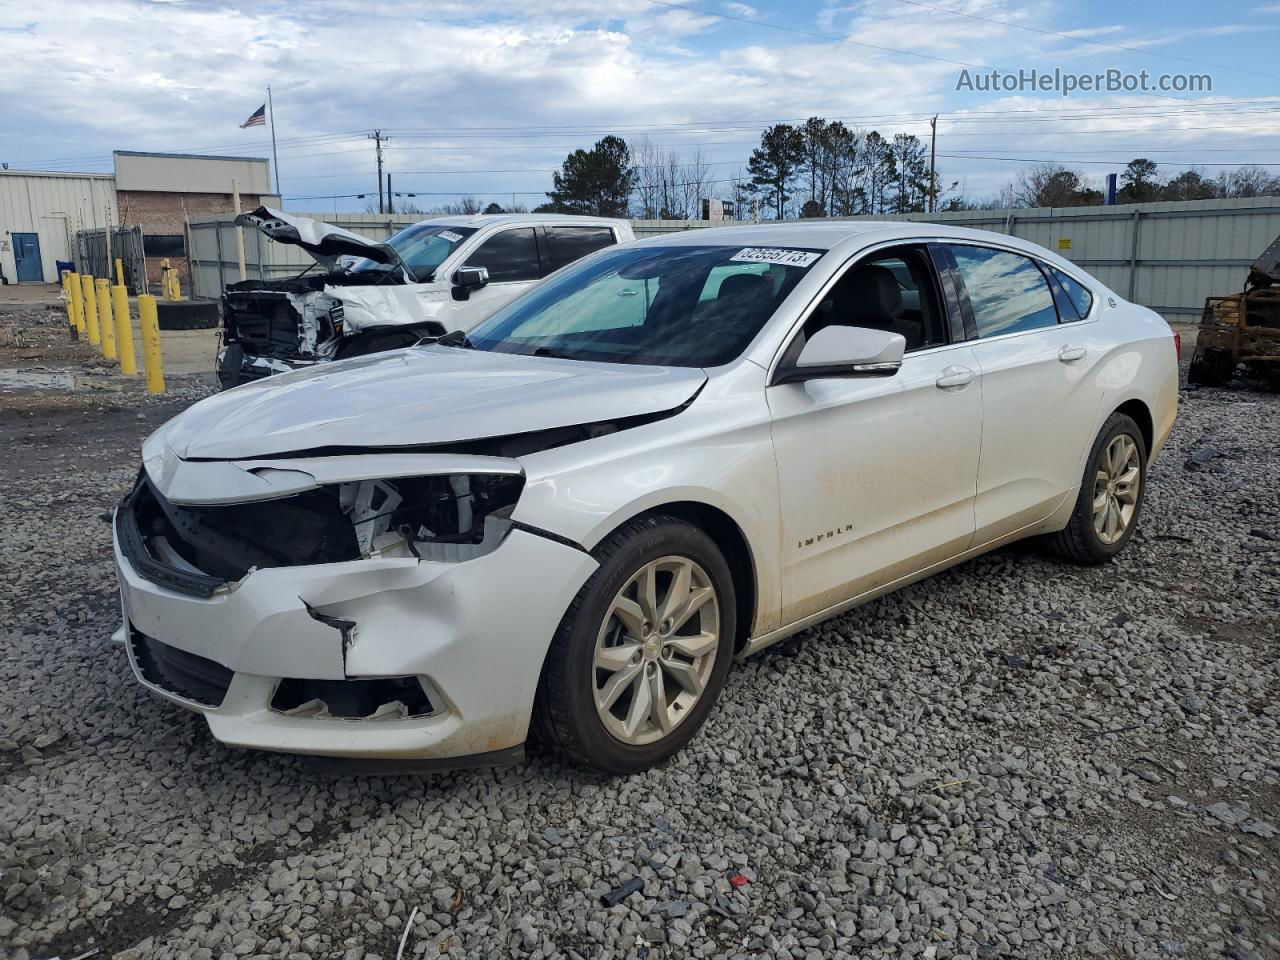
(486, 98)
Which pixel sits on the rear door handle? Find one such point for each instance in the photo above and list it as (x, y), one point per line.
(1070, 354)
(955, 378)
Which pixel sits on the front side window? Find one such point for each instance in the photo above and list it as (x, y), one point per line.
(1074, 300)
(509, 256)
(1007, 291)
(687, 306)
(891, 290)
(570, 243)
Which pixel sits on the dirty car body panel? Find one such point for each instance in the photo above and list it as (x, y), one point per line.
(371, 558)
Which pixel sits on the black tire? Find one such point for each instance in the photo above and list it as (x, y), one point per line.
(1078, 541)
(564, 713)
(187, 314)
(1212, 369)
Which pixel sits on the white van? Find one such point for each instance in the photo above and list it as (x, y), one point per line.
(432, 278)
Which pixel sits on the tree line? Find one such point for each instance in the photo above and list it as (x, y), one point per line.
(1141, 181)
(823, 168)
(816, 169)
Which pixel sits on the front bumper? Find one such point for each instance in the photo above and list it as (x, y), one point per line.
(474, 633)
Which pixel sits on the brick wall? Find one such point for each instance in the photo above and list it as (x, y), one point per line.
(166, 213)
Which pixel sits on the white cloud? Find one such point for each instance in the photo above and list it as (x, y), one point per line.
(79, 80)
(742, 10)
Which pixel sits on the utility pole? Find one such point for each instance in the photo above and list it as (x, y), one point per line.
(378, 139)
(391, 207)
(933, 152)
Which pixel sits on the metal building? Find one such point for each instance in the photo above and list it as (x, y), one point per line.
(40, 212)
(47, 217)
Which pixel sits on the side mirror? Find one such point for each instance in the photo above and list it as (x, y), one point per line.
(466, 279)
(473, 278)
(839, 351)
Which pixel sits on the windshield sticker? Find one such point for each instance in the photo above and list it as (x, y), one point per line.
(787, 258)
(450, 235)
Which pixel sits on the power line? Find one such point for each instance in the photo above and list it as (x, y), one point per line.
(1111, 163)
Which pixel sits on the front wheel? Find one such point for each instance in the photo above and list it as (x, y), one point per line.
(642, 652)
(1110, 499)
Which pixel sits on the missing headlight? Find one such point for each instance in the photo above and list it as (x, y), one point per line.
(447, 518)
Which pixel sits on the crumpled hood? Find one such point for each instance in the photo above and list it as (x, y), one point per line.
(417, 396)
(322, 240)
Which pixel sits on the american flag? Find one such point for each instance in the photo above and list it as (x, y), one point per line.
(256, 119)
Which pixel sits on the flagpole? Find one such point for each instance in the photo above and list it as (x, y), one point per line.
(275, 157)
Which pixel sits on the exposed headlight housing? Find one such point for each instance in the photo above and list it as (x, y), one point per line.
(449, 518)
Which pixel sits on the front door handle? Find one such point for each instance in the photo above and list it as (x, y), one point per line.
(954, 378)
(1070, 354)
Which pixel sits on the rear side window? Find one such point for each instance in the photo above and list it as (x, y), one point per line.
(573, 243)
(1007, 291)
(509, 256)
(1074, 300)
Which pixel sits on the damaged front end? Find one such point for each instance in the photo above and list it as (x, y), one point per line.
(200, 549)
(275, 326)
(303, 607)
(363, 300)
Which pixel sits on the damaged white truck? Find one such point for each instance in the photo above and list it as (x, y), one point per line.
(435, 277)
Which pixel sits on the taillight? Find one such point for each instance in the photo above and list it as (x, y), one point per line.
(1177, 345)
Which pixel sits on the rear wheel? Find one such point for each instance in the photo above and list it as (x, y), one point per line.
(1110, 499)
(642, 652)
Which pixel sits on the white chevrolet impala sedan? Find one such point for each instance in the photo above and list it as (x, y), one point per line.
(667, 455)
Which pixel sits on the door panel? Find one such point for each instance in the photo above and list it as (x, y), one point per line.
(877, 475)
(1038, 406)
(513, 260)
(1039, 410)
(26, 255)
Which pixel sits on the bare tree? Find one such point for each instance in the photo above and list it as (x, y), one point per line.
(1052, 185)
(1250, 181)
(668, 186)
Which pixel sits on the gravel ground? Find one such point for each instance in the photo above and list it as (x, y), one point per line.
(1017, 758)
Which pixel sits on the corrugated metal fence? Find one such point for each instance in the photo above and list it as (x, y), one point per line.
(1167, 256)
(94, 258)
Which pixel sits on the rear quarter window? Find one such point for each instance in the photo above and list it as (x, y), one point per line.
(1074, 299)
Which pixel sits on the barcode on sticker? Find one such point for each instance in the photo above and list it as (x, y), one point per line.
(451, 236)
(787, 258)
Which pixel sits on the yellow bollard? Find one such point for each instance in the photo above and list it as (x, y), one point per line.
(124, 329)
(71, 287)
(151, 358)
(119, 272)
(107, 327)
(90, 309)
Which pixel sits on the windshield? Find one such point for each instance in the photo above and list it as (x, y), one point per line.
(681, 306)
(423, 247)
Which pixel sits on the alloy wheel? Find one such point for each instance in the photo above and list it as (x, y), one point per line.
(1115, 489)
(656, 649)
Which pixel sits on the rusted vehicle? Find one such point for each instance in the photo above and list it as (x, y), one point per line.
(1243, 329)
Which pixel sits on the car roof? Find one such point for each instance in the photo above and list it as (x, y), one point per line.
(827, 234)
(487, 219)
